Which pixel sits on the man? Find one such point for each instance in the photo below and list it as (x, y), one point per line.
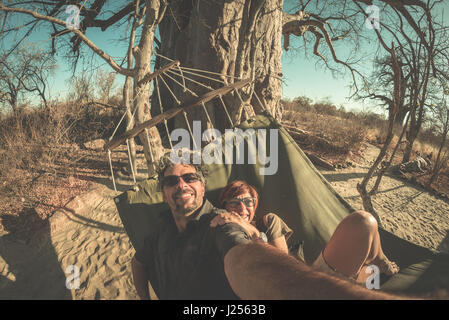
(184, 258)
(188, 259)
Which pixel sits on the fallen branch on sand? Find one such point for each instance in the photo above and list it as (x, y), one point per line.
(308, 138)
(319, 162)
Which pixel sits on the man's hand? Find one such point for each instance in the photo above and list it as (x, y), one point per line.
(232, 217)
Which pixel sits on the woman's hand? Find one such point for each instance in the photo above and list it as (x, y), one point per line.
(232, 217)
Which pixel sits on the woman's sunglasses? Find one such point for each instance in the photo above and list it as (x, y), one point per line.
(172, 180)
(235, 202)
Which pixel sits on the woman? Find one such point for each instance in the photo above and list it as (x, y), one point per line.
(241, 200)
(353, 247)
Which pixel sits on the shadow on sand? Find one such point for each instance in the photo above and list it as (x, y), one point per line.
(444, 245)
(31, 269)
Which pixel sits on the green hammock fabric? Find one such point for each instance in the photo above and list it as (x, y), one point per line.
(302, 197)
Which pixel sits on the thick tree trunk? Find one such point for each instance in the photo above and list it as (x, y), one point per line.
(234, 38)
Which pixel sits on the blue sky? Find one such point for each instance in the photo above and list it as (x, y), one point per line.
(303, 74)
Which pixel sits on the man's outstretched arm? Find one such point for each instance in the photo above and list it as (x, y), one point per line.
(259, 271)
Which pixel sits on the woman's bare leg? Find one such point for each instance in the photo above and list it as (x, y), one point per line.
(280, 243)
(354, 244)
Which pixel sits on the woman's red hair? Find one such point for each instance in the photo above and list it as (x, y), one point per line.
(234, 189)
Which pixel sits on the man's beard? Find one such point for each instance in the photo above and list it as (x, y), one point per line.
(183, 208)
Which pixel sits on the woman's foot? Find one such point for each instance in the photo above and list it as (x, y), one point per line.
(386, 266)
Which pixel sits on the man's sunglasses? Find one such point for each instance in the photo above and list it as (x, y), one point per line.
(235, 202)
(172, 180)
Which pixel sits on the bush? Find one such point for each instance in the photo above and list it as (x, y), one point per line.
(299, 104)
(35, 142)
(326, 108)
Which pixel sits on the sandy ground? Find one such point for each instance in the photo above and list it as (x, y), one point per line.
(405, 209)
(87, 235)
(84, 253)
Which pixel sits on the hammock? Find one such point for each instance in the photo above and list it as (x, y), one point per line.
(300, 195)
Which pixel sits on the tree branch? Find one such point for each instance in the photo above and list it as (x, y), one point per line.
(86, 40)
(299, 23)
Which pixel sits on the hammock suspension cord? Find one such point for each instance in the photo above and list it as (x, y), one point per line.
(127, 142)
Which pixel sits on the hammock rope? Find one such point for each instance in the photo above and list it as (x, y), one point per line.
(168, 88)
(203, 76)
(123, 117)
(261, 104)
(150, 149)
(226, 110)
(162, 111)
(129, 153)
(131, 162)
(207, 115)
(183, 80)
(199, 70)
(186, 89)
(185, 113)
(190, 129)
(112, 170)
(198, 83)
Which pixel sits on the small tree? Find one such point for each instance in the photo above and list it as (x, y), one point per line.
(104, 83)
(442, 117)
(25, 72)
(81, 88)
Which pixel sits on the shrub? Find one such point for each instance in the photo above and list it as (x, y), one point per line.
(326, 108)
(36, 142)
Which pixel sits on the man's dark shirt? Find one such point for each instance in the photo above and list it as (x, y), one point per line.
(189, 265)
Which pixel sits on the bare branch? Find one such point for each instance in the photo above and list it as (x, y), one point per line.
(305, 6)
(86, 40)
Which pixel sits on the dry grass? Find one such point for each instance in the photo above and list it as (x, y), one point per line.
(347, 132)
(344, 136)
(42, 162)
